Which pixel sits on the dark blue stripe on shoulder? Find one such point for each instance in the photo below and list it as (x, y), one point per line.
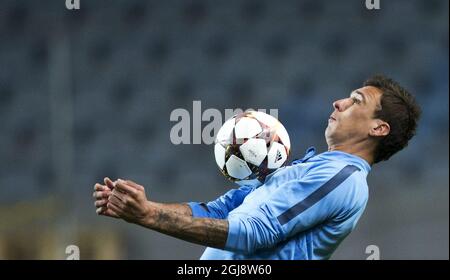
(317, 195)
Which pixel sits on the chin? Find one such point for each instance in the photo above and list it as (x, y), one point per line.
(327, 134)
(330, 133)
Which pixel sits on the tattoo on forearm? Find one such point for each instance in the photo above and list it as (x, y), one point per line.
(180, 208)
(203, 231)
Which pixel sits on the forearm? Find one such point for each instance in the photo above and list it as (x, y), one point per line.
(203, 231)
(179, 208)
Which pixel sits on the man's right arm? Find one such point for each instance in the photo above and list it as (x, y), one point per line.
(218, 208)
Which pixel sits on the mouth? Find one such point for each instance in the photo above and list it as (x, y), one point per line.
(331, 119)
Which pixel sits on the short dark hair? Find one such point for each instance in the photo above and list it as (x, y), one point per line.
(400, 110)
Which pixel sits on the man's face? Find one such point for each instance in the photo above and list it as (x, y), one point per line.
(353, 118)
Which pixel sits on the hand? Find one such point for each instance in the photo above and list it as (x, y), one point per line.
(101, 194)
(129, 202)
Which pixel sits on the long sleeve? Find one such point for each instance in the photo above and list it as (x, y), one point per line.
(220, 207)
(295, 206)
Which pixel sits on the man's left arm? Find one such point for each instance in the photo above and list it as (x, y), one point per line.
(129, 202)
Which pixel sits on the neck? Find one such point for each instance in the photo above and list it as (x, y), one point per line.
(356, 149)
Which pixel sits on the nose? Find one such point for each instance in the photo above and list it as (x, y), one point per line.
(342, 104)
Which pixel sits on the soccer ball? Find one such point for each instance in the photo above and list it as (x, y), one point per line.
(250, 146)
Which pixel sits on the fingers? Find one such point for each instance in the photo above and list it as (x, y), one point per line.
(104, 206)
(100, 203)
(112, 197)
(104, 211)
(109, 183)
(119, 194)
(100, 191)
(111, 213)
(133, 184)
(113, 209)
(99, 187)
(116, 201)
(124, 187)
(100, 210)
(101, 194)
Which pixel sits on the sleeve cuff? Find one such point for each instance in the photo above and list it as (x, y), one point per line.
(199, 210)
(236, 236)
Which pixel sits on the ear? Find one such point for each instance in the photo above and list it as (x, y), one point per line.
(379, 128)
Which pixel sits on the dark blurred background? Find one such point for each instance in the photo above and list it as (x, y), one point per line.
(88, 93)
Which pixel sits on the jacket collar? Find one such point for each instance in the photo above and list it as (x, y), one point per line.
(334, 155)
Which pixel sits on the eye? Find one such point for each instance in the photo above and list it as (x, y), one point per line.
(355, 100)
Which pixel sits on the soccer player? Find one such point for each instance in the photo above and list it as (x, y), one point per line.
(301, 211)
